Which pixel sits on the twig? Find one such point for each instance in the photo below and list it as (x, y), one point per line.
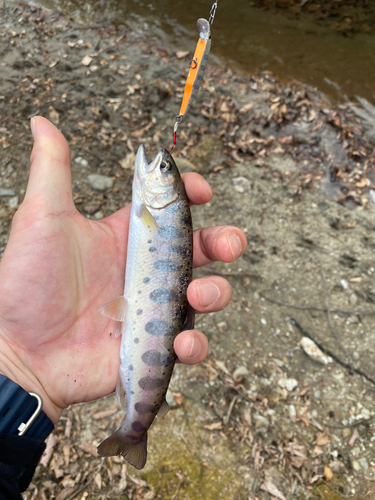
(348, 366)
(81, 488)
(230, 409)
(349, 426)
(315, 308)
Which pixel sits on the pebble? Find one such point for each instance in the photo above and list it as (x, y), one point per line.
(371, 194)
(99, 215)
(290, 384)
(365, 413)
(356, 465)
(6, 192)
(100, 182)
(3, 212)
(344, 284)
(260, 421)
(263, 321)
(13, 202)
(241, 184)
(363, 463)
(241, 371)
(313, 351)
(91, 208)
(292, 411)
(353, 299)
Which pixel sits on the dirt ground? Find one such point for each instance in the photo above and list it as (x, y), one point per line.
(260, 419)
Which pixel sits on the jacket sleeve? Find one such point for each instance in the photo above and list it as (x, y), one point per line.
(19, 456)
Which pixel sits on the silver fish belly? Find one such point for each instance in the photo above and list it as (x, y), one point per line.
(158, 272)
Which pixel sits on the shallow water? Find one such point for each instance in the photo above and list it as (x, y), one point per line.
(249, 39)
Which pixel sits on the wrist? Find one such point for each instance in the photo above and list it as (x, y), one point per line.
(12, 367)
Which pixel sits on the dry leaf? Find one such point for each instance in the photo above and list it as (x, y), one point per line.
(271, 488)
(317, 451)
(86, 60)
(247, 107)
(354, 438)
(89, 448)
(328, 473)
(322, 439)
(177, 396)
(214, 426)
(181, 54)
(105, 413)
(127, 163)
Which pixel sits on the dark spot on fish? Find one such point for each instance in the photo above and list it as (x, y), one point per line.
(146, 280)
(159, 327)
(179, 311)
(149, 241)
(131, 368)
(166, 360)
(166, 265)
(132, 393)
(151, 358)
(163, 295)
(185, 252)
(186, 219)
(139, 312)
(150, 383)
(144, 407)
(184, 281)
(170, 233)
(137, 426)
(136, 340)
(152, 249)
(139, 291)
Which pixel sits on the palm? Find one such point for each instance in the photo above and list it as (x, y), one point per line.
(56, 272)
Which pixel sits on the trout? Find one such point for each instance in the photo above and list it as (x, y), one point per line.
(154, 307)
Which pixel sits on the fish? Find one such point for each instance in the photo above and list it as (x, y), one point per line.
(154, 307)
(197, 65)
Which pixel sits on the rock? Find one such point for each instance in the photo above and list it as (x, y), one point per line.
(91, 209)
(263, 321)
(260, 421)
(241, 184)
(290, 384)
(292, 411)
(3, 212)
(363, 463)
(81, 161)
(353, 299)
(100, 182)
(313, 351)
(99, 215)
(241, 371)
(365, 413)
(356, 465)
(371, 195)
(13, 202)
(6, 192)
(344, 284)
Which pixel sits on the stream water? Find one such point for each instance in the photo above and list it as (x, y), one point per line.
(250, 39)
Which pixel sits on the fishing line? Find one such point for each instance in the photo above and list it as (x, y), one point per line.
(197, 68)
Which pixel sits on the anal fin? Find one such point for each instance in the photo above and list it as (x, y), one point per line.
(114, 309)
(164, 409)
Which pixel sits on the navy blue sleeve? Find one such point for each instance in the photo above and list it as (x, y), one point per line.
(19, 456)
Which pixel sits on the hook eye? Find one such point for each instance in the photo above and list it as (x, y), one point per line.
(194, 63)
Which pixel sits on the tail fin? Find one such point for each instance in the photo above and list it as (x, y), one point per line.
(120, 443)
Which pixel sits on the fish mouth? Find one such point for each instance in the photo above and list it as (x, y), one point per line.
(142, 167)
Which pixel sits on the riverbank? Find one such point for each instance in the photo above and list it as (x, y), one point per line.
(259, 419)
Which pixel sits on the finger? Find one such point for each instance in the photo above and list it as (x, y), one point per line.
(191, 347)
(224, 243)
(197, 188)
(50, 177)
(209, 294)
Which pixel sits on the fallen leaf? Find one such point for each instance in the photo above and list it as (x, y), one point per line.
(271, 488)
(322, 439)
(358, 279)
(178, 397)
(328, 473)
(181, 54)
(86, 60)
(104, 414)
(214, 426)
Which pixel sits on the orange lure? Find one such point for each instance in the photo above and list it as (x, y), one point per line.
(197, 65)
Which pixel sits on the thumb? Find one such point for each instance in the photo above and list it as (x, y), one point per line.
(50, 178)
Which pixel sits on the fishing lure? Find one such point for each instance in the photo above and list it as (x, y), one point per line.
(197, 67)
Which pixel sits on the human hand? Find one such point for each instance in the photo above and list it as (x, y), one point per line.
(59, 267)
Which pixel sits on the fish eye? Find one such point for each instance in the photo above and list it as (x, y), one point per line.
(166, 166)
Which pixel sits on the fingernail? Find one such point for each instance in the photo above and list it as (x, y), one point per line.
(208, 293)
(33, 127)
(235, 245)
(207, 186)
(195, 347)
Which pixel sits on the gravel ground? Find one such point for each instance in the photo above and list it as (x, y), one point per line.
(260, 419)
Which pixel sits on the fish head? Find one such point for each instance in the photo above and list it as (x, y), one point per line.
(158, 184)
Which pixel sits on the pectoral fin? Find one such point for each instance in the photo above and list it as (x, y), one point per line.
(114, 309)
(147, 218)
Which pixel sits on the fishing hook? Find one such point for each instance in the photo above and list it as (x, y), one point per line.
(212, 12)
